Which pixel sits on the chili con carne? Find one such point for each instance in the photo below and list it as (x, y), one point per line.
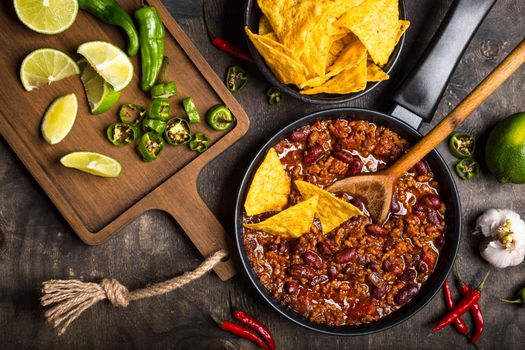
(461, 145)
(219, 118)
(467, 169)
(158, 126)
(121, 134)
(150, 146)
(256, 325)
(191, 110)
(236, 78)
(242, 332)
(160, 109)
(199, 142)
(177, 132)
(132, 113)
(274, 95)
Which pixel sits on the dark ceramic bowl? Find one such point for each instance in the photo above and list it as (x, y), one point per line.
(252, 16)
(446, 259)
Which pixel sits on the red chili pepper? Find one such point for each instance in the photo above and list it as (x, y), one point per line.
(256, 325)
(460, 325)
(241, 332)
(463, 306)
(477, 315)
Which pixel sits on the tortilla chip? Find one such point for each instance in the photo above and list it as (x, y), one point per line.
(271, 36)
(374, 73)
(403, 26)
(376, 23)
(290, 223)
(348, 81)
(331, 210)
(264, 25)
(279, 59)
(270, 187)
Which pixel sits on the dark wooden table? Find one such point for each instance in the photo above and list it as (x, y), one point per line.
(36, 244)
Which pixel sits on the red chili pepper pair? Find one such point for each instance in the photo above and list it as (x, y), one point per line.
(469, 302)
(260, 329)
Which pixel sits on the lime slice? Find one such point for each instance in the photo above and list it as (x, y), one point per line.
(100, 94)
(44, 66)
(92, 163)
(59, 118)
(109, 61)
(47, 16)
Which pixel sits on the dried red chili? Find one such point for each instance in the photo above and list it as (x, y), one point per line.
(242, 332)
(459, 324)
(477, 315)
(256, 325)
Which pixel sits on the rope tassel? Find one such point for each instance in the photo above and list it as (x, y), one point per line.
(70, 298)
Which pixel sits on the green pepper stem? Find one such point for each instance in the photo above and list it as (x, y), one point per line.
(482, 284)
(517, 301)
(164, 70)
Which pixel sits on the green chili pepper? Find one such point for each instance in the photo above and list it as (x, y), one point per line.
(220, 118)
(111, 12)
(191, 110)
(462, 145)
(121, 134)
(160, 109)
(150, 146)
(151, 36)
(154, 125)
(467, 169)
(520, 300)
(131, 113)
(236, 78)
(274, 95)
(164, 90)
(199, 142)
(177, 132)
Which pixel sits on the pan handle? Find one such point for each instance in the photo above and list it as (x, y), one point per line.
(422, 89)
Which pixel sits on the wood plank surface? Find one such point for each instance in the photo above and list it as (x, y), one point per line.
(37, 244)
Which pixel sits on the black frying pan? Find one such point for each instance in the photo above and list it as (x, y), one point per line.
(416, 100)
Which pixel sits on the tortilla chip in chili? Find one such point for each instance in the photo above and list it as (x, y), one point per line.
(292, 222)
(270, 187)
(331, 210)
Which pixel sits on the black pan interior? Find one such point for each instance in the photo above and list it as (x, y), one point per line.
(448, 193)
(252, 16)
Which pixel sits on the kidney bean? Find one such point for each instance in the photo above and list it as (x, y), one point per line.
(324, 248)
(332, 272)
(343, 156)
(394, 206)
(291, 287)
(434, 218)
(409, 275)
(312, 259)
(317, 280)
(284, 246)
(429, 200)
(344, 256)
(313, 154)
(348, 268)
(301, 134)
(378, 292)
(406, 293)
(440, 241)
(358, 204)
(387, 266)
(337, 146)
(301, 271)
(372, 266)
(354, 167)
(376, 230)
(422, 267)
(422, 168)
(272, 247)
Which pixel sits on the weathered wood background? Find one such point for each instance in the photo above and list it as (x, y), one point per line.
(36, 244)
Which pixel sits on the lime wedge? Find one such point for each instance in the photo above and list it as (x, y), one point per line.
(47, 16)
(44, 66)
(59, 118)
(109, 61)
(92, 163)
(100, 94)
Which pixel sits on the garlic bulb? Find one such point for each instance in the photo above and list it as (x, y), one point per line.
(505, 242)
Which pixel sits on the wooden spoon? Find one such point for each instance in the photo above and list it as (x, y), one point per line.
(377, 188)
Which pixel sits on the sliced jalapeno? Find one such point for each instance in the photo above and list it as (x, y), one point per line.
(467, 168)
(154, 125)
(199, 142)
(150, 146)
(220, 118)
(191, 110)
(132, 113)
(236, 78)
(462, 145)
(274, 95)
(177, 132)
(164, 90)
(160, 109)
(121, 134)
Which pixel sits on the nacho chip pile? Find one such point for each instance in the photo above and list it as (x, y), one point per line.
(328, 46)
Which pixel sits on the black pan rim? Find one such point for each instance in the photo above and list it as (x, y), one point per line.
(320, 99)
(409, 309)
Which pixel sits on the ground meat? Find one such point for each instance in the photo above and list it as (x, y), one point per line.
(358, 272)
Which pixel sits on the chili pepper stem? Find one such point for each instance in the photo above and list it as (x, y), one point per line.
(517, 301)
(216, 320)
(479, 288)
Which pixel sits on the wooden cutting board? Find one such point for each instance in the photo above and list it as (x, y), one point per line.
(97, 208)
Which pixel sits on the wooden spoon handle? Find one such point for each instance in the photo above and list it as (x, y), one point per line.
(486, 88)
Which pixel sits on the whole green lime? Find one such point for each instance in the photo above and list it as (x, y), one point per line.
(505, 150)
